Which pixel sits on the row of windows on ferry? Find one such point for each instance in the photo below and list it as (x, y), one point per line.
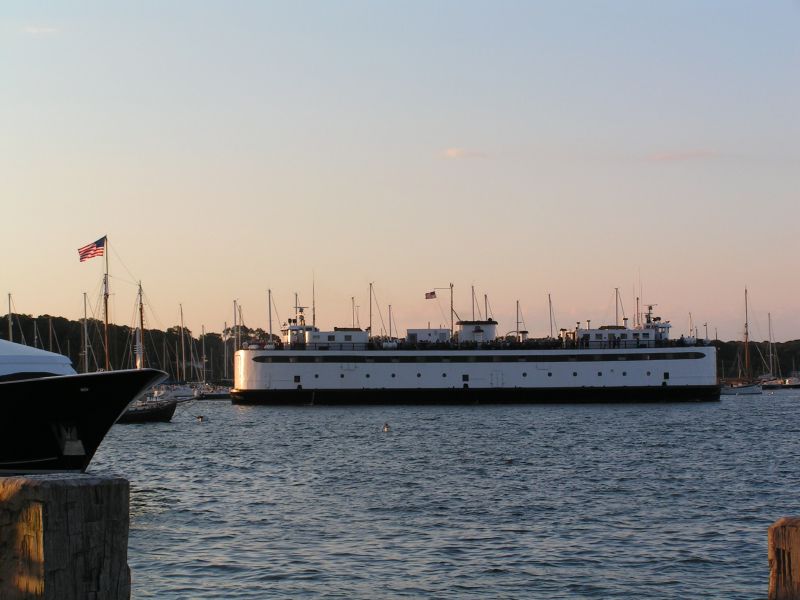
(465, 376)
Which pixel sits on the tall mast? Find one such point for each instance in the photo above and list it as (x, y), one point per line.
(452, 327)
(225, 353)
(235, 329)
(105, 308)
(516, 332)
(769, 328)
(370, 309)
(550, 309)
(353, 306)
(183, 349)
(486, 305)
(313, 303)
(473, 302)
(746, 339)
(203, 334)
(616, 308)
(390, 321)
(269, 298)
(85, 338)
(50, 334)
(10, 329)
(140, 333)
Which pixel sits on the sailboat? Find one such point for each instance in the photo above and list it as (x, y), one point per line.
(745, 385)
(151, 408)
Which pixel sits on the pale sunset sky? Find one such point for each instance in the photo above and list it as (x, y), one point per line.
(525, 148)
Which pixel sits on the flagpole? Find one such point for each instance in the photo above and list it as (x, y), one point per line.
(105, 306)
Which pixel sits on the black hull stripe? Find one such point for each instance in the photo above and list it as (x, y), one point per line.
(480, 395)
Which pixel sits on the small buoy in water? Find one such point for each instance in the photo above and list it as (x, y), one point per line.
(200, 418)
(385, 427)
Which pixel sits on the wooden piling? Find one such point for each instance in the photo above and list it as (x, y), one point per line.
(784, 559)
(64, 537)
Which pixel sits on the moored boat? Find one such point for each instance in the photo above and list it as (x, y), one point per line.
(54, 419)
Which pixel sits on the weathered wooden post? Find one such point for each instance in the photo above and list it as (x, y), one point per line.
(64, 537)
(784, 559)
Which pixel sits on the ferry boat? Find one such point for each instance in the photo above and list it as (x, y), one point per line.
(614, 363)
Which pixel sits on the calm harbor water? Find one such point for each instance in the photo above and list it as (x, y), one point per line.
(553, 501)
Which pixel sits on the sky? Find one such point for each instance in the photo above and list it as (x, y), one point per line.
(523, 148)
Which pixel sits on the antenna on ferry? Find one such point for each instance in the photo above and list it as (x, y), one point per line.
(313, 301)
(269, 301)
(452, 311)
(473, 302)
(370, 309)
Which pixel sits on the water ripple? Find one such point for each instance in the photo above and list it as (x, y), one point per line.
(609, 501)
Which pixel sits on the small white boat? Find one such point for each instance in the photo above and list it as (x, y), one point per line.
(741, 389)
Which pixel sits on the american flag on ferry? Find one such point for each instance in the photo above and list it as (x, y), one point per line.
(91, 250)
(430, 295)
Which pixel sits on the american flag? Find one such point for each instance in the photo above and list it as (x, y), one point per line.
(91, 250)
(430, 295)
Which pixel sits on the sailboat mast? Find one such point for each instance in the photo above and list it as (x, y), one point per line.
(105, 309)
(203, 334)
(516, 332)
(550, 309)
(370, 309)
(746, 338)
(140, 333)
(473, 302)
(10, 322)
(616, 308)
(486, 305)
(390, 321)
(769, 328)
(183, 350)
(85, 338)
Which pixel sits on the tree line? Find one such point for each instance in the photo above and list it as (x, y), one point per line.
(205, 358)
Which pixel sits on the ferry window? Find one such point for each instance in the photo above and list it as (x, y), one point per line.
(316, 375)
(419, 374)
(316, 337)
(624, 373)
(331, 338)
(598, 336)
(645, 335)
(549, 374)
(599, 373)
(367, 375)
(348, 338)
(465, 378)
(574, 373)
(623, 336)
(444, 374)
(341, 375)
(392, 374)
(297, 378)
(648, 373)
(524, 374)
(666, 375)
(636, 335)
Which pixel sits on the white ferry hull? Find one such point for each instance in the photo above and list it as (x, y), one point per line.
(470, 376)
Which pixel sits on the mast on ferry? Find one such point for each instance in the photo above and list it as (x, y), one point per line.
(10, 322)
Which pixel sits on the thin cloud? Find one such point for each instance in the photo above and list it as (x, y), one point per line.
(683, 156)
(456, 153)
(40, 30)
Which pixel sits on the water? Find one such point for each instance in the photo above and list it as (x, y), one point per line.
(553, 501)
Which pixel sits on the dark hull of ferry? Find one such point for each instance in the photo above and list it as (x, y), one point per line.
(56, 423)
(480, 395)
